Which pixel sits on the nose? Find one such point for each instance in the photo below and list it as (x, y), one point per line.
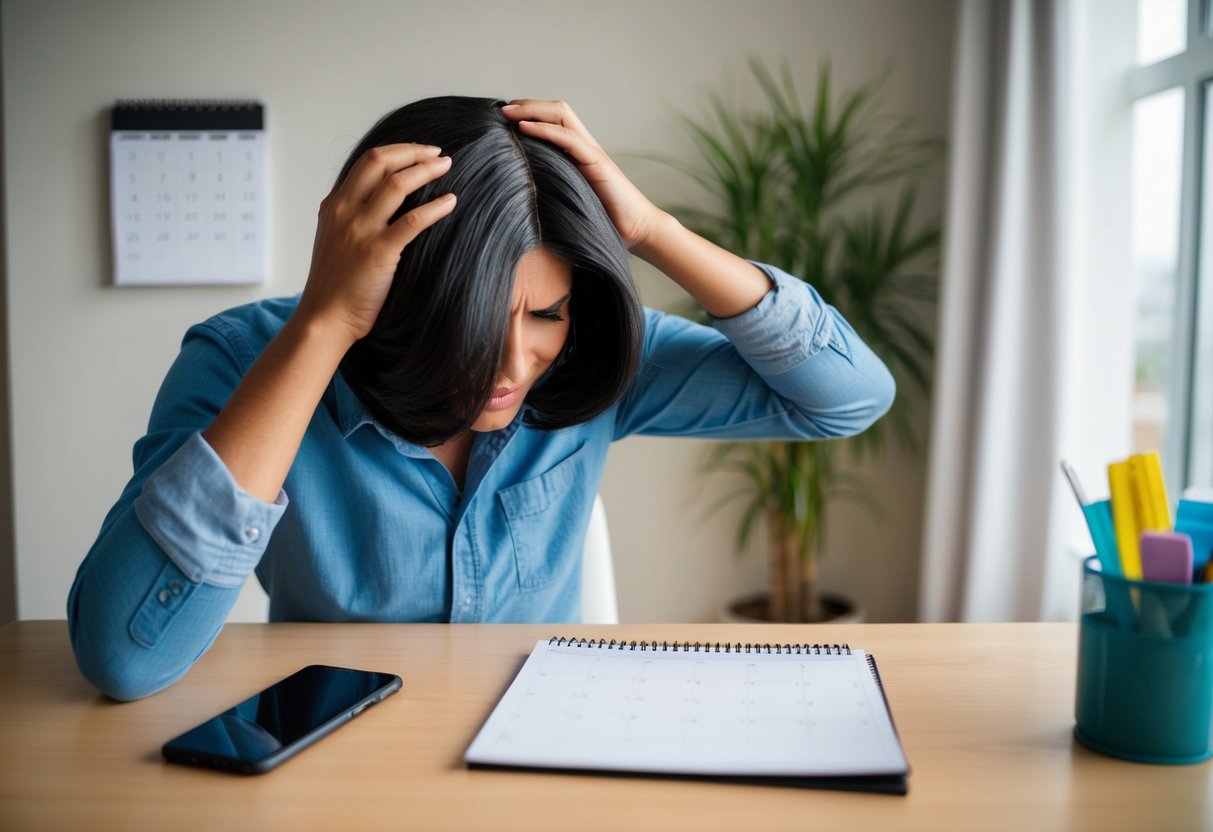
(513, 358)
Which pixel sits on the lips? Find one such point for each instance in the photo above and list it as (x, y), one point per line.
(503, 397)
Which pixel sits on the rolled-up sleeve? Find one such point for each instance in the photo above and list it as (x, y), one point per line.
(790, 367)
(174, 551)
(210, 527)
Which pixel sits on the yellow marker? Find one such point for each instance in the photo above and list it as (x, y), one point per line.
(1125, 518)
(1155, 513)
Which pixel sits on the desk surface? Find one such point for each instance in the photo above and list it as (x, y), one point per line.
(984, 712)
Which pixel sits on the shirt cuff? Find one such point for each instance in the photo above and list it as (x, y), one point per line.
(771, 336)
(209, 527)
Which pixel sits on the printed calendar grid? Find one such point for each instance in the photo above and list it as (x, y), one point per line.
(189, 207)
(761, 714)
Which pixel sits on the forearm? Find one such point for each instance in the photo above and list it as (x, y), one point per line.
(354, 259)
(259, 430)
(795, 369)
(721, 282)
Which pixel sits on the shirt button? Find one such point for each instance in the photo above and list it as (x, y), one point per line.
(467, 602)
(175, 588)
(163, 596)
(252, 534)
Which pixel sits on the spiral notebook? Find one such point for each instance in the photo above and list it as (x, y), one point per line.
(188, 192)
(800, 714)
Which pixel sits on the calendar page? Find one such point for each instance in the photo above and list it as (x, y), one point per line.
(188, 195)
(691, 712)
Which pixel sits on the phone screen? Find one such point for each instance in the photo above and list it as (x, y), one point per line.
(270, 727)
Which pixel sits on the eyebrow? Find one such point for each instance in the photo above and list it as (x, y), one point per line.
(555, 307)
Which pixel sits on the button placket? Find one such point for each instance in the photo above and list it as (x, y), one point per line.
(165, 598)
(465, 573)
(169, 592)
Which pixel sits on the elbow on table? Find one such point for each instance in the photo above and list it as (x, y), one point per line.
(122, 683)
(122, 671)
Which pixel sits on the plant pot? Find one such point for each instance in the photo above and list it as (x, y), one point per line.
(752, 609)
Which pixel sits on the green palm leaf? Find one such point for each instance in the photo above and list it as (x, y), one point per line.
(806, 188)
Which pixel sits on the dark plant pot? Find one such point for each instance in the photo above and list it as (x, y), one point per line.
(753, 609)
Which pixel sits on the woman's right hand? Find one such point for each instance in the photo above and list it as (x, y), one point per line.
(356, 251)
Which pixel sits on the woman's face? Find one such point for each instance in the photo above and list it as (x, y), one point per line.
(539, 325)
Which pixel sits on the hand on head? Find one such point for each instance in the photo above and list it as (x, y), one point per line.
(554, 121)
(433, 342)
(357, 249)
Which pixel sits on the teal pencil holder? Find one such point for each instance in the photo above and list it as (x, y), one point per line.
(1145, 669)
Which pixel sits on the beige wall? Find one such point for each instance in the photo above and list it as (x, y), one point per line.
(86, 359)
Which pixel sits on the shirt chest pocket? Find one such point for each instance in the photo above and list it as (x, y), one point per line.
(542, 534)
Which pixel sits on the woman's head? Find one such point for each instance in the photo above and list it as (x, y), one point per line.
(480, 298)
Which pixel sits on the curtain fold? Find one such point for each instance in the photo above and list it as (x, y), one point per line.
(991, 526)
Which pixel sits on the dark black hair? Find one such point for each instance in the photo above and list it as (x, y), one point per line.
(428, 366)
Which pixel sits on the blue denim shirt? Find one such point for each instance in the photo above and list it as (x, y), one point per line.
(375, 528)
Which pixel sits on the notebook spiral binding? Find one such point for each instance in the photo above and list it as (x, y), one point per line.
(871, 660)
(704, 647)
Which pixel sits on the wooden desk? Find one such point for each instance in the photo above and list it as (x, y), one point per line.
(984, 712)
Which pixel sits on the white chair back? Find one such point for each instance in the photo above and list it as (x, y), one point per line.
(599, 605)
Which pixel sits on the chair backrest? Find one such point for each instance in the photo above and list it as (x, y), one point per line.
(599, 604)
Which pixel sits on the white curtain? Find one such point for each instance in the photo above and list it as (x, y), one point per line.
(993, 524)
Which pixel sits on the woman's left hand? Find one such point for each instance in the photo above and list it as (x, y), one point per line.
(631, 212)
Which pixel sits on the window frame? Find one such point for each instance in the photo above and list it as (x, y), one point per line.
(1191, 70)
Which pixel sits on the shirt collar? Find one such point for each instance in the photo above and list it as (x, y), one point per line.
(351, 415)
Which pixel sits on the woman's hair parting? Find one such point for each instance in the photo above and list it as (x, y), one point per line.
(428, 366)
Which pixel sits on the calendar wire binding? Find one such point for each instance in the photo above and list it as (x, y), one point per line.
(803, 648)
(187, 114)
(189, 104)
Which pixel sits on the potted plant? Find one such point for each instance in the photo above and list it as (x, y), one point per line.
(826, 193)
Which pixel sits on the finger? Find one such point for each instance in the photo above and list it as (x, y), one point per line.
(552, 112)
(404, 230)
(380, 162)
(393, 189)
(570, 141)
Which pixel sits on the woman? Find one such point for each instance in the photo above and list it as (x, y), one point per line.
(439, 401)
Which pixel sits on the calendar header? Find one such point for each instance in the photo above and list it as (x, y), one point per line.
(200, 115)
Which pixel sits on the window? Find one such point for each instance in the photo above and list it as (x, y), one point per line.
(1162, 29)
(1172, 192)
(1158, 122)
(1201, 453)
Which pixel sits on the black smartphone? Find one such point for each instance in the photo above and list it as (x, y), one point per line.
(271, 727)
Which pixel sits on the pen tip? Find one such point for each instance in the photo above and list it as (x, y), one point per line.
(1072, 478)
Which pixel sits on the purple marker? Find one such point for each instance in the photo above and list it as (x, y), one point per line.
(1166, 557)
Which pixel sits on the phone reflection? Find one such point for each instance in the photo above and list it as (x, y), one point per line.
(280, 715)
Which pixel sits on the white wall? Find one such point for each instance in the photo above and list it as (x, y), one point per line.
(86, 358)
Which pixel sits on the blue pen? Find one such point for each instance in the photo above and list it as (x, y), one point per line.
(1099, 523)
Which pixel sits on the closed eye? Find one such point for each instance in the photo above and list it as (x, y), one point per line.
(552, 313)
